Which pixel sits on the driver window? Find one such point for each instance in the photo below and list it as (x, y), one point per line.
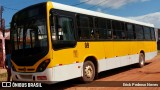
(65, 29)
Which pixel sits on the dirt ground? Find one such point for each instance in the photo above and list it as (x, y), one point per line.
(3, 74)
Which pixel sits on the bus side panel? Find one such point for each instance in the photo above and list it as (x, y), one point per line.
(66, 72)
(116, 54)
(68, 63)
(95, 49)
(105, 63)
(151, 50)
(134, 52)
(65, 64)
(121, 49)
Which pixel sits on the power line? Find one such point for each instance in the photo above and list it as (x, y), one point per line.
(10, 8)
(97, 4)
(81, 3)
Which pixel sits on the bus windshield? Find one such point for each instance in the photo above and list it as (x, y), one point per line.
(32, 34)
(29, 35)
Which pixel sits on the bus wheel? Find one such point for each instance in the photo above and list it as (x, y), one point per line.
(141, 60)
(88, 71)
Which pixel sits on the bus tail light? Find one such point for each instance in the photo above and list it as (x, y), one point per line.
(41, 78)
(43, 65)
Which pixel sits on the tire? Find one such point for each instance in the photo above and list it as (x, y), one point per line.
(141, 60)
(88, 72)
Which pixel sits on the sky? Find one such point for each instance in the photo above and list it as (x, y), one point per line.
(142, 10)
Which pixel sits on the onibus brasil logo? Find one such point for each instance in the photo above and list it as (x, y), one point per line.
(20, 84)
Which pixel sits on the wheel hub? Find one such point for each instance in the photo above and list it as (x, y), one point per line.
(88, 71)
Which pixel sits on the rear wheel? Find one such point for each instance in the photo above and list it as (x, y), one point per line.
(88, 71)
(141, 60)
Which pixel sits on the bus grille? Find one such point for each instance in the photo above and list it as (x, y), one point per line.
(26, 70)
(26, 76)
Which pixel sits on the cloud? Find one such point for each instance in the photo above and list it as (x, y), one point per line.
(115, 4)
(153, 18)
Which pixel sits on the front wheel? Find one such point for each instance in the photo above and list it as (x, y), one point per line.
(141, 60)
(88, 71)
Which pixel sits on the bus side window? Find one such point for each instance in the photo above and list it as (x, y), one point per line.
(53, 28)
(114, 35)
(60, 33)
(139, 32)
(109, 28)
(147, 33)
(119, 31)
(130, 31)
(101, 28)
(62, 28)
(152, 33)
(85, 27)
(65, 29)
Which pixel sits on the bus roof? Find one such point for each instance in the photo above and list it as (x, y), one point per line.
(98, 14)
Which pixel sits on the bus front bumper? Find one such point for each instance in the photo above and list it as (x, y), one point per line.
(42, 77)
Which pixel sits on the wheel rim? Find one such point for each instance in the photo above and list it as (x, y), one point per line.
(142, 61)
(88, 71)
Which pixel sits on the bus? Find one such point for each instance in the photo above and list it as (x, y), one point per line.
(53, 42)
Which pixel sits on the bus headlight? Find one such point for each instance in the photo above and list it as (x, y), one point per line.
(43, 65)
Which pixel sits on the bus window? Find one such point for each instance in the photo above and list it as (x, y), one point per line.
(65, 29)
(153, 34)
(85, 30)
(139, 32)
(101, 28)
(53, 28)
(147, 33)
(20, 38)
(109, 28)
(62, 29)
(130, 31)
(118, 30)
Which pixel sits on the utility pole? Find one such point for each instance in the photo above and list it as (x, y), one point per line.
(1, 20)
(2, 45)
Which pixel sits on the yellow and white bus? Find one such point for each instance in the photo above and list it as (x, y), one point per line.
(55, 42)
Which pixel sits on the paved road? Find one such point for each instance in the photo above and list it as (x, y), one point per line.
(130, 76)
